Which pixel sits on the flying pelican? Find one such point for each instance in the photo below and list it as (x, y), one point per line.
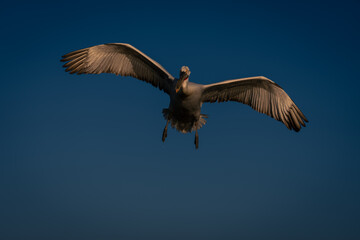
(186, 98)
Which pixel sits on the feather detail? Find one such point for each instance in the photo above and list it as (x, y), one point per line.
(120, 59)
(260, 93)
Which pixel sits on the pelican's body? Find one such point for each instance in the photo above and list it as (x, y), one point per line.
(184, 112)
(186, 98)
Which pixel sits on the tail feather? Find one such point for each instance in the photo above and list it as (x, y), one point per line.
(181, 126)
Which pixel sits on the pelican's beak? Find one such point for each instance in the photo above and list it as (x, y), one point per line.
(183, 77)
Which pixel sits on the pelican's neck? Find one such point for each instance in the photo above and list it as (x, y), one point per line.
(184, 86)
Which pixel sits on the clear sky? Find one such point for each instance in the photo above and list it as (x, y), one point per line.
(82, 156)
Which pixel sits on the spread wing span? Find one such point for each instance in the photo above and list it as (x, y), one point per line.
(120, 59)
(260, 93)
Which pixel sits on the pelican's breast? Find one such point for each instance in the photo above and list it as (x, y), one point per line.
(184, 110)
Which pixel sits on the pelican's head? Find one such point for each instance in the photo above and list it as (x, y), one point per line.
(184, 76)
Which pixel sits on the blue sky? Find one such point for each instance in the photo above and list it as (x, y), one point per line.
(82, 157)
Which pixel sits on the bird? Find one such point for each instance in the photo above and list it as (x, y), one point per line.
(186, 98)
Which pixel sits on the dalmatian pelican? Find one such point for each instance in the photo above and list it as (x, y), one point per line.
(186, 98)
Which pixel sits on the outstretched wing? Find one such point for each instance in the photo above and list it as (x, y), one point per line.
(120, 59)
(261, 94)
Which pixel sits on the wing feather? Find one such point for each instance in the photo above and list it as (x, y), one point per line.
(260, 93)
(120, 59)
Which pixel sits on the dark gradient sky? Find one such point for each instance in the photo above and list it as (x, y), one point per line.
(82, 157)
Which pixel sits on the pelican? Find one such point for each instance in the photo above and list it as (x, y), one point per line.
(186, 98)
